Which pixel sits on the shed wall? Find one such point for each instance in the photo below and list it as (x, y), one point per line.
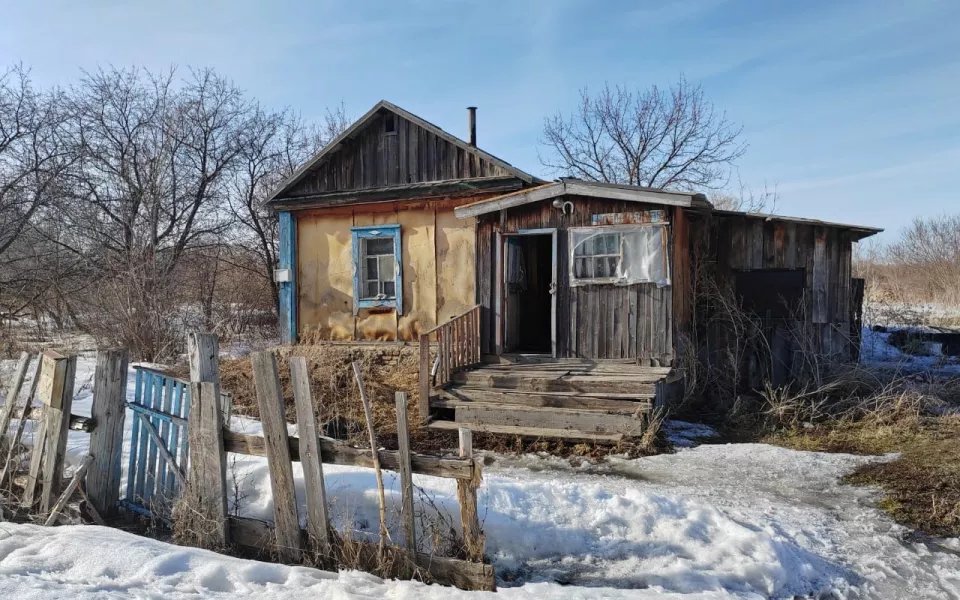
(593, 321)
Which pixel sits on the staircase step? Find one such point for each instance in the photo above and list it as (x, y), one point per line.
(532, 432)
(515, 415)
(559, 382)
(610, 402)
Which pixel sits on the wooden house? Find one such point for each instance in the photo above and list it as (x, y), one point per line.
(541, 308)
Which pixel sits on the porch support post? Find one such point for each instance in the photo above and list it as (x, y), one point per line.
(287, 271)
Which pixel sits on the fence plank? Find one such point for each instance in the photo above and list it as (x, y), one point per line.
(207, 483)
(175, 441)
(140, 474)
(13, 392)
(106, 440)
(57, 418)
(266, 379)
(406, 472)
(164, 490)
(134, 439)
(50, 388)
(155, 402)
(71, 487)
(203, 353)
(12, 462)
(317, 522)
(467, 495)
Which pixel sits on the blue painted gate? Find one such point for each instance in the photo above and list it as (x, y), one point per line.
(158, 442)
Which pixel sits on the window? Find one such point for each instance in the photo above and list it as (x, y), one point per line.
(389, 123)
(771, 293)
(621, 255)
(377, 279)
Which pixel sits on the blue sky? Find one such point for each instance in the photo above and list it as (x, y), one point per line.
(851, 109)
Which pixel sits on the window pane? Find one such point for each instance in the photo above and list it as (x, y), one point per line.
(386, 268)
(600, 267)
(389, 289)
(373, 288)
(379, 246)
(371, 264)
(613, 244)
(612, 266)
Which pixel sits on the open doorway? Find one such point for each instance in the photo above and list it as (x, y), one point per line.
(529, 270)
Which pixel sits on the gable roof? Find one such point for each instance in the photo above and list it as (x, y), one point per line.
(859, 232)
(612, 191)
(337, 143)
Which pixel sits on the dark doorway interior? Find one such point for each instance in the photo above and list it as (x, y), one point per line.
(529, 271)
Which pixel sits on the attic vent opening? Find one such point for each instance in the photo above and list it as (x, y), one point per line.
(389, 123)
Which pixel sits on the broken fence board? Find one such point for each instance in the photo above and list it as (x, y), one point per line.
(13, 392)
(71, 487)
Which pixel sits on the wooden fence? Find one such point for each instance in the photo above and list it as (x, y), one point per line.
(179, 446)
(458, 347)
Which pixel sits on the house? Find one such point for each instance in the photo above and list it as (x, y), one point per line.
(542, 308)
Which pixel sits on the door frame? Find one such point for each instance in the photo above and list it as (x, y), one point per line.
(501, 275)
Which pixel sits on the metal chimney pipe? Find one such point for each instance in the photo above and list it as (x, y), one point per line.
(472, 115)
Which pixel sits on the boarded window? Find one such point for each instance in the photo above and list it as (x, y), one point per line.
(620, 255)
(772, 293)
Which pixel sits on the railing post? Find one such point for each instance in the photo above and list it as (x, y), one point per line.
(423, 402)
(106, 440)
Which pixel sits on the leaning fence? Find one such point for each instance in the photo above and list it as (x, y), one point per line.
(177, 461)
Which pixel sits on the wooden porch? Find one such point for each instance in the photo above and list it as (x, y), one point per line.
(531, 395)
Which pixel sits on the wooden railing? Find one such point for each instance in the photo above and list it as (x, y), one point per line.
(458, 347)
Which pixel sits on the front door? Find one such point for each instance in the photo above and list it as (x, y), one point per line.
(528, 292)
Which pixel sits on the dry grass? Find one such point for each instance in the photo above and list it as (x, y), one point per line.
(863, 412)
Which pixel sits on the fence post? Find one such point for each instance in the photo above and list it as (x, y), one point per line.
(317, 522)
(106, 440)
(406, 473)
(266, 380)
(207, 480)
(467, 495)
(56, 417)
(203, 353)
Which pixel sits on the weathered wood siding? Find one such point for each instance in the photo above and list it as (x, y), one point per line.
(376, 158)
(437, 260)
(593, 321)
(745, 243)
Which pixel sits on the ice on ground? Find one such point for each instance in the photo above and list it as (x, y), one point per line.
(687, 435)
(876, 351)
(715, 521)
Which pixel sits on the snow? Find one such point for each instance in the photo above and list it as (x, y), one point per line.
(687, 435)
(876, 351)
(712, 521)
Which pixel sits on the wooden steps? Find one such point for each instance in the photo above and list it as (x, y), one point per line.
(532, 396)
(530, 432)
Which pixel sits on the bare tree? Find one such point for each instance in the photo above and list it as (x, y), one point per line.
(276, 144)
(673, 139)
(32, 153)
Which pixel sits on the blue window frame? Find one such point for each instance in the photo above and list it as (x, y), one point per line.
(377, 268)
